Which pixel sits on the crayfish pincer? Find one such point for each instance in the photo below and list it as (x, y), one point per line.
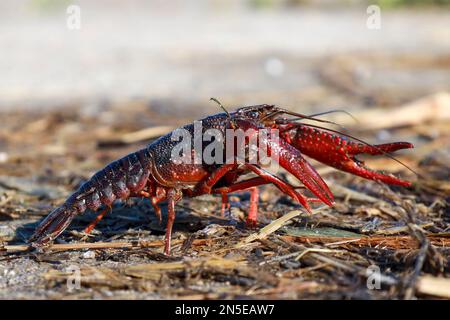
(213, 156)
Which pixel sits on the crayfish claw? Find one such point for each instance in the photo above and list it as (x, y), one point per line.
(359, 148)
(355, 166)
(340, 153)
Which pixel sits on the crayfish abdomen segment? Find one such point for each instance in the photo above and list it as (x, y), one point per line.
(120, 179)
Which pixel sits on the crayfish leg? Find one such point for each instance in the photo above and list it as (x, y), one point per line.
(253, 211)
(99, 217)
(225, 204)
(205, 186)
(173, 196)
(280, 184)
(157, 208)
(252, 183)
(155, 200)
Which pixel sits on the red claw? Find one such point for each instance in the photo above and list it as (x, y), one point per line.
(291, 159)
(339, 153)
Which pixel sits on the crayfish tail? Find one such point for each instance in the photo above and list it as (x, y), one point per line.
(118, 180)
(53, 225)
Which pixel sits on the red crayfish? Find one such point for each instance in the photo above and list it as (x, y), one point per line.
(152, 172)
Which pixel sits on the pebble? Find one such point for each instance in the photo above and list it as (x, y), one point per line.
(89, 255)
(3, 157)
(274, 67)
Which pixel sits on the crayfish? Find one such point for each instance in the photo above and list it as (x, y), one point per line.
(156, 172)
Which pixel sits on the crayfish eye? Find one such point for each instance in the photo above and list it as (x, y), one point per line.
(254, 114)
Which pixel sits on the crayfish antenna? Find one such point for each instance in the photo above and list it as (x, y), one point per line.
(333, 111)
(299, 116)
(233, 125)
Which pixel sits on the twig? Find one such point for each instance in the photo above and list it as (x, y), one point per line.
(341, 264)
(309, 250)
(141, 270)
(426, 248)
(340, 242)
(409, 292)
(279, 258)
(101, 245)
(439, 287)
(393, 242)
(396, 230)
(353, 268)
(274, 226)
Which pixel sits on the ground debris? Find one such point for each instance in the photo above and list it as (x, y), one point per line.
(400, 233)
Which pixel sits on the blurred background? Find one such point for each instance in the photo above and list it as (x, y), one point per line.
(172, 56)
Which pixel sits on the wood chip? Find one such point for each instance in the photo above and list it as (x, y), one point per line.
(439, 287)
(274, 226)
